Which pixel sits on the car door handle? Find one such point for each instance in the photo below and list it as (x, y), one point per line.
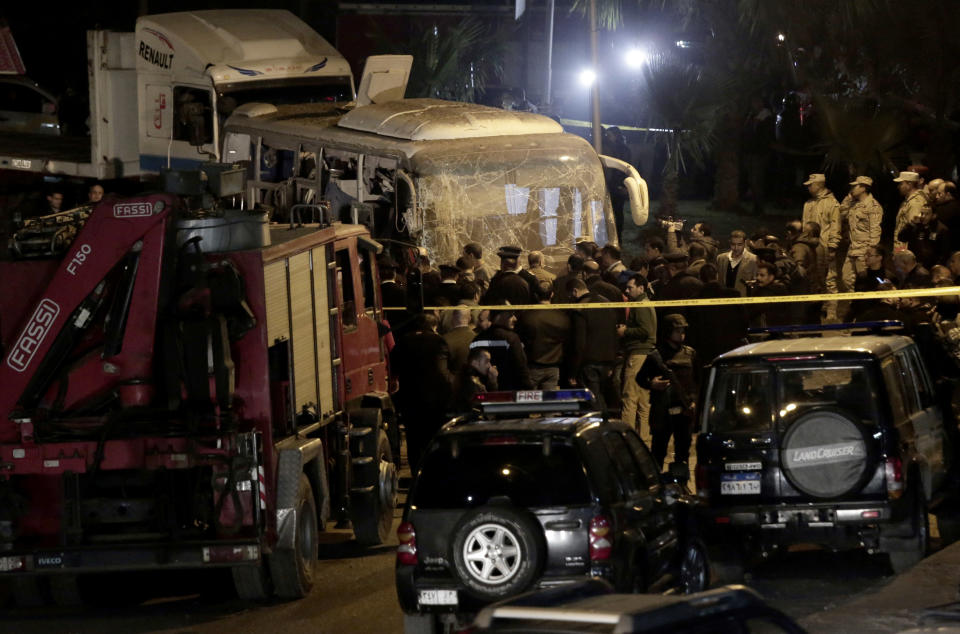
(562, 525)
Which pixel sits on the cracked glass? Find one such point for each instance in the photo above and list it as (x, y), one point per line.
(540, 193)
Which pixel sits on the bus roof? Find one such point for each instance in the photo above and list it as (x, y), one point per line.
(435, 120)
(236, 45)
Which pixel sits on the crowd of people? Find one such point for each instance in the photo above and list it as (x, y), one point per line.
(645, 363)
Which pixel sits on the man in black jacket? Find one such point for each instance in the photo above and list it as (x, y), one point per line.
(511, 284)
(478, 375)
(595, 342)
(545, 335)
(506, 350)
(420, 363)
(392, 295)
(671, 374)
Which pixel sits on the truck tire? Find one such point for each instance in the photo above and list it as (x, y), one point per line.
(292, 571)
(497, 551)
(373, 496)
(251, 582)
(914, 547)
(825, 453)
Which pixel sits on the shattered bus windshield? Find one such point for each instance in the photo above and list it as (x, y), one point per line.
(543, 195)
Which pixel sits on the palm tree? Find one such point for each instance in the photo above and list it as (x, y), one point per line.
(682, 103)
(454, 61)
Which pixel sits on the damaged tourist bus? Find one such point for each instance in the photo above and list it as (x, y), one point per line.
(437, 174)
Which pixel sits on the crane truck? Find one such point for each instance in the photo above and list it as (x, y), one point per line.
(186, 386)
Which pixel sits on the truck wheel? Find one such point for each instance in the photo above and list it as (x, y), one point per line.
(28, 592)
(914, 547)
(292, 571)
(65, 591)
(497, 551)
(251, 582)
(373, 496)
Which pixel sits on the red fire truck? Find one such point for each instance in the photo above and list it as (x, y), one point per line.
(185, 386)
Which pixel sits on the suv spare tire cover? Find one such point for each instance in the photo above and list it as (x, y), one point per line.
(825, 453)
(498, 551)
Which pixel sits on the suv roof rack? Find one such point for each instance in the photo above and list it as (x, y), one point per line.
(875, 327)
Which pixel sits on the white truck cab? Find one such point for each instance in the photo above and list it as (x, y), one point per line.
(159, 95)
(194, 68)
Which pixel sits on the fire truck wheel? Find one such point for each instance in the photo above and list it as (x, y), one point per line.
(28, 592)
(293, 570)
(251, 582)
(373, 496)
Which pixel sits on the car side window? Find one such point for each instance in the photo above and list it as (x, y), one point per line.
(911, 401)
(891, 376)
(597, 459)
(629, 473)
(648, 467)
(921, 380)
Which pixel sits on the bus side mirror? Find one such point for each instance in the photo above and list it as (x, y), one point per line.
(636, 188)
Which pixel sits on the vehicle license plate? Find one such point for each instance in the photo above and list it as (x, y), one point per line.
(438, 597)
(740, 484)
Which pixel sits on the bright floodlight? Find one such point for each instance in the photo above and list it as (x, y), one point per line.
(587, 77)
(781, 37)
(635, 57)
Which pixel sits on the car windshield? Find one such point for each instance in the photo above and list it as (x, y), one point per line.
(460, 473)
(847, 387)
(741, 399)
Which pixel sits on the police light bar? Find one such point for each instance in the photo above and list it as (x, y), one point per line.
(529, 401)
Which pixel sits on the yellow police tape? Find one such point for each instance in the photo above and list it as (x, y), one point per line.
(720, 301)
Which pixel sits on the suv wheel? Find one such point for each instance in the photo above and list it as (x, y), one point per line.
(826, 453)
(497, 551)
(914, 547)
(694, 568)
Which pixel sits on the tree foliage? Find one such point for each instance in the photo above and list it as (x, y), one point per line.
(451, 60)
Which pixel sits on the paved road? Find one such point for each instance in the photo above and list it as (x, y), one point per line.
(355, 593)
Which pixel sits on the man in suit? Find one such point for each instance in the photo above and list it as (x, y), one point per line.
(392, 295)
(737, 265)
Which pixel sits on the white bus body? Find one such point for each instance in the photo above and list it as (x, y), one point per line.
(435, 173)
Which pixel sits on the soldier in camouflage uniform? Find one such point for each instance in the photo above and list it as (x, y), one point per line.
(910, 187)
(864, 215)
(823, 209)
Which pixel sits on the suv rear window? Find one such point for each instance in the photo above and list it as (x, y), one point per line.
(846, 386)
(460, 473)
(742, 399)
